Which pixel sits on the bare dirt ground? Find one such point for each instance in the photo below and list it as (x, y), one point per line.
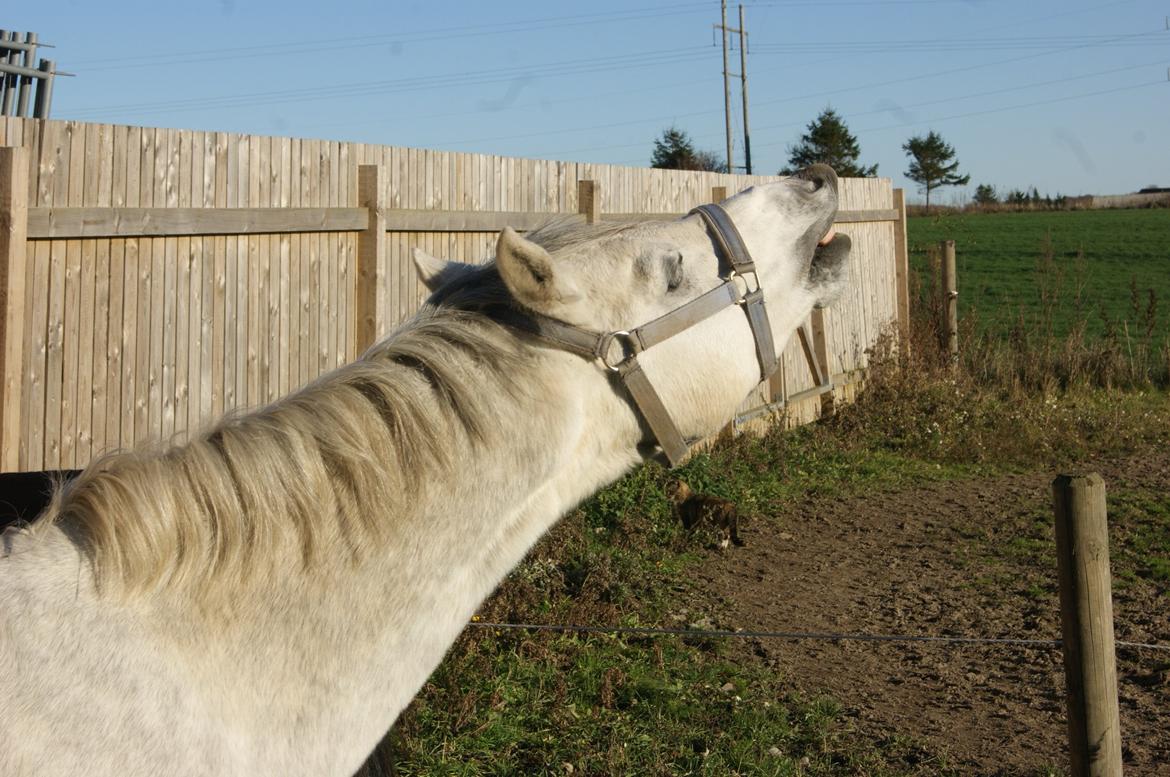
(938, 560)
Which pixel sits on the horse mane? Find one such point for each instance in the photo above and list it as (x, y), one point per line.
(328, 466)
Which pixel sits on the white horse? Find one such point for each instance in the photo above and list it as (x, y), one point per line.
(266, 599)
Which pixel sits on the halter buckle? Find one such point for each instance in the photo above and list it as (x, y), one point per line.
(751, 284)
(627, 343)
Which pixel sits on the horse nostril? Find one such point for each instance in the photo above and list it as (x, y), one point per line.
(821, 175)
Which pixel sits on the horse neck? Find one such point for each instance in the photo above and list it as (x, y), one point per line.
(402, 609)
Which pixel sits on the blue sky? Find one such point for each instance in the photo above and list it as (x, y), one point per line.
(1070, 97)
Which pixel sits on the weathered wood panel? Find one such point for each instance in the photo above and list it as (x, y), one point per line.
(173, 276)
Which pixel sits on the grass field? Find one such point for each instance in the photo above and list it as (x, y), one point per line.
(1057, 269)
(514, 702)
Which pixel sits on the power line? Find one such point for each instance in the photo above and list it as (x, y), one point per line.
(296, 48)
(870, 46)
(1160, 82)
(811, 95)
(924, 121)
(466, 78)
(989, 93)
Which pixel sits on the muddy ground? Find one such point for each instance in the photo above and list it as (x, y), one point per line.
(943, 559)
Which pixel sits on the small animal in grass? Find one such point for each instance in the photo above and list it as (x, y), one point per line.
(699, 511)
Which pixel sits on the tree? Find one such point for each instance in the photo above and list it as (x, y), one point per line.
(1017, 197)
(828, 140)
(931, 164)
(985, 195)
(675, 151)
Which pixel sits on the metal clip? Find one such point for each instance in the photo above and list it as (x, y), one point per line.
(627, 343)
(750, 285)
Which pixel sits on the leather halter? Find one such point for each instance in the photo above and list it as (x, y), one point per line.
(619, 350)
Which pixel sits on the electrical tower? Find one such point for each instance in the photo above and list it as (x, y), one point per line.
(742, 31)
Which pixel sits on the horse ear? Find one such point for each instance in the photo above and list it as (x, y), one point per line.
(429, 267)
(435, 271)
(527, 269)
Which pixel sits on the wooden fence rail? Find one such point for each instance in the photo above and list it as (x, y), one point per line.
(156, 279)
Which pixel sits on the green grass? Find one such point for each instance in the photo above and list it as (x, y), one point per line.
(518, 703)
(1060, 267)
(605, 705)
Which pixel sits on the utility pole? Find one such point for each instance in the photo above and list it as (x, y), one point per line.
(747, 138)
(747, 146)
(726, 87)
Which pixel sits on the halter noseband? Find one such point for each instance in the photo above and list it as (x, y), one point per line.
(619, 350)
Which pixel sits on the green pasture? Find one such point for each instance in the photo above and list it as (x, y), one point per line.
(1050, 271)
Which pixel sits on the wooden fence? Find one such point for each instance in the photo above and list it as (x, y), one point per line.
(153, 279)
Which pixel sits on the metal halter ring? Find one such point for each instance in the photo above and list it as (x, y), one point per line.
(629, 348)
(747, 284)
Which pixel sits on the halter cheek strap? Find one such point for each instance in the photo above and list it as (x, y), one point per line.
(618, 351)
(735, 251)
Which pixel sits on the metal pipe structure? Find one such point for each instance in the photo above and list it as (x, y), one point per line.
(17, 76)
(26, 82)
(44, 98)
(8, 81)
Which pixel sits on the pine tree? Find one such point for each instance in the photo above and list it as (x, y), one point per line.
(675, 151)
(985, 195)
(828, 140)
(931, 164)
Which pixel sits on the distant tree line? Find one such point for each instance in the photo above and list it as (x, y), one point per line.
(932, 164)
(827, 139)
(987, 198)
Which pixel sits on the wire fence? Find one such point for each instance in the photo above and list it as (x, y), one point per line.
(646, 631)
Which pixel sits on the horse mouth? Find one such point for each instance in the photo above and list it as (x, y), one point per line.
(828, 238)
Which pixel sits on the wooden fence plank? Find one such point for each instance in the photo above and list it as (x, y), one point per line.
(58, 190)
(91, 412)
(71, 345)
(219, 247)
(282, 192)
(371, 254)
(13, 277)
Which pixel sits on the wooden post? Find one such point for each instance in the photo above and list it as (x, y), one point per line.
(371, 255)
(1086, 613)
(820, 342)
(589, 201)
(13, 270)
(719, 194)
(902, 272)
(950, 291)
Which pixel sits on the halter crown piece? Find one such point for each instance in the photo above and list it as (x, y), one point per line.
(619, 350)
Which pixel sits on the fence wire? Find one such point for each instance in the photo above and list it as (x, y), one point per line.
(647, 631)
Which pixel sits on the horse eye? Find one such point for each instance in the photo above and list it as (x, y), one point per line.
(674, 273)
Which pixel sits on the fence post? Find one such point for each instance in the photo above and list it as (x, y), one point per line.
(13, 271)
(589, 201)
(820, 343)
(719, 194)
(371, 255)
(950, 291)
(902, 272)
(1086, 614)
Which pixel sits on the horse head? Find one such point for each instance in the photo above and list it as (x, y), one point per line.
(615, 279)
